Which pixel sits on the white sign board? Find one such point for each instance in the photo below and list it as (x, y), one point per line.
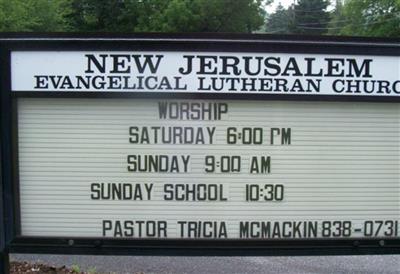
(184, 72)
(210, 169)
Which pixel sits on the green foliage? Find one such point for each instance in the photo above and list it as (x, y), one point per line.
(350, 17)
(306, 17)
(280, 21)
(310, 17)
(380, 18)
(131, 15)
(75, 268)
(368, 18)
(337, 19)
(166, 15)
(32, 15)
(95, 15)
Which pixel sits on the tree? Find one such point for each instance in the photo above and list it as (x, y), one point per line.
(166, 15)
(280, 21)
(338, 19)
(368, 18)
(32, 15)
(132, 15)
(95, 15)
(310, 17)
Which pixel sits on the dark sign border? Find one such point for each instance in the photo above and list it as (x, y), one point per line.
(10, 236)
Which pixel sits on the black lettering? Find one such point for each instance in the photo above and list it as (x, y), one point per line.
(310, 72)
(92, 59)
(273, 64)
(41, 81)
(119, 63)
(335, 67)
(231, 62)
(107, 226)
(189, 62)
(247, 65)
(293, 67)
(94, 188)
(357, 71)
(207, 64)
(148, 62)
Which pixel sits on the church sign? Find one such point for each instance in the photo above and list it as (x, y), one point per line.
(221, 145)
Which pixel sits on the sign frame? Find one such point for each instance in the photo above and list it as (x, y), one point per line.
(9, 208)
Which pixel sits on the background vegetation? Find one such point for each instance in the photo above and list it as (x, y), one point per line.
(319, 17)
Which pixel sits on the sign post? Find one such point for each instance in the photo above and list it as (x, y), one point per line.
(205, 146)
(4, 257)
(4, 260)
